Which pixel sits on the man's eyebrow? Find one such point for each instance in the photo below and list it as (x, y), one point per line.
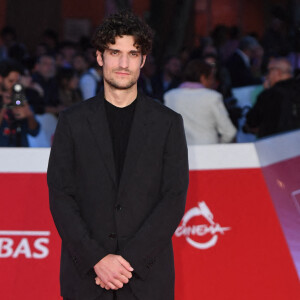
(131, 51)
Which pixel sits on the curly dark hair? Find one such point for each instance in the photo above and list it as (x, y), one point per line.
(119, 24)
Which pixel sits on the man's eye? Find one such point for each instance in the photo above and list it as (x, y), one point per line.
(114, 52)
(134, 54)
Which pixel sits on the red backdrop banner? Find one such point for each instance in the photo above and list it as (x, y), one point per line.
(29, 243)
(234, 241)
(238, 250)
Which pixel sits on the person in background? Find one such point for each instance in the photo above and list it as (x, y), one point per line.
(145, 82)
(90, 79)
(16, 117)
(41, 49)
(231, 44)
(50, 39)
(205, 117)
(8, 38)
(10, 47)
(45, 76)
(277, 108)
(91, 82)
(223, 86)
(276, 40)
(67, 50)
(80, 64)
(33, 91)
(244, 63)
(69, 93)
(168, 79)
(294, 55)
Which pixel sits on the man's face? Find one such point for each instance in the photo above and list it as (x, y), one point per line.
(46, 67)
(10, 80)
(121, 63)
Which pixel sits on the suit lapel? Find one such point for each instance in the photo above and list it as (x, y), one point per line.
(137, 138)
(100, 129)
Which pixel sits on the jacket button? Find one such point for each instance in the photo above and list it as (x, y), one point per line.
(113, 235)
(118, 207)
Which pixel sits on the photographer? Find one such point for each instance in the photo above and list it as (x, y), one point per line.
(16, 117)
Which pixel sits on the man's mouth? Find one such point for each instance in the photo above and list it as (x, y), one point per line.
(122, 72)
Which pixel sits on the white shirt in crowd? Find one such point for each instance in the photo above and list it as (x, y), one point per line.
(88, 83)
(205, 117)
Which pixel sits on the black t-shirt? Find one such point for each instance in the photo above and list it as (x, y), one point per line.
(119, 121)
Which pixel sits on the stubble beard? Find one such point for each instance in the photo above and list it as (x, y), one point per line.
(117, 84)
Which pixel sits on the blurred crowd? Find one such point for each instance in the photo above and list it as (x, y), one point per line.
(198, 83)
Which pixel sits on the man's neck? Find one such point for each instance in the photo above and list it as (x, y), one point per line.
(118, 97)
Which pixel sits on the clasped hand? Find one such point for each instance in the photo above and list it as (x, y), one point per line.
(113, 271)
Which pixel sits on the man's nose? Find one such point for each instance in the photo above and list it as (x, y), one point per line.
(124, 61)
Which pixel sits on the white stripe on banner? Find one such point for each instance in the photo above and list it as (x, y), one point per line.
(204, 157)
(23, 233)
(24, 160)
(223, 156)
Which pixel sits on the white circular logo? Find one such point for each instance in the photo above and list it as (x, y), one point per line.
(200, 230)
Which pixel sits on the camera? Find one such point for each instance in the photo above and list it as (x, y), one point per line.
(18, 96)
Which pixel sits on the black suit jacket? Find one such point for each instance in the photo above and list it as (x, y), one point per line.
(95, 217)
(240, 73)
(277, 109)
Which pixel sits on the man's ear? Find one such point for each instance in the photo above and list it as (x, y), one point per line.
(99, 58)
(143, 60)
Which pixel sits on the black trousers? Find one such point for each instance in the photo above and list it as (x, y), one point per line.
(115, 297)
(126, 292)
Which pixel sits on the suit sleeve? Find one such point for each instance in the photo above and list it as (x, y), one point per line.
(254, 116)
(84, 250)
(156, 232)
(223, 122)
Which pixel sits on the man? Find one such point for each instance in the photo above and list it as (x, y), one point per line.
(206, 120)
(91, 82)
(45, 72)
(245, 62)
(279, 69)
(118, 177)
(90, 79)
(8, 38)
(168, 78)
(277, 108)
(145, 82)
(16, 121)
(68, 50)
